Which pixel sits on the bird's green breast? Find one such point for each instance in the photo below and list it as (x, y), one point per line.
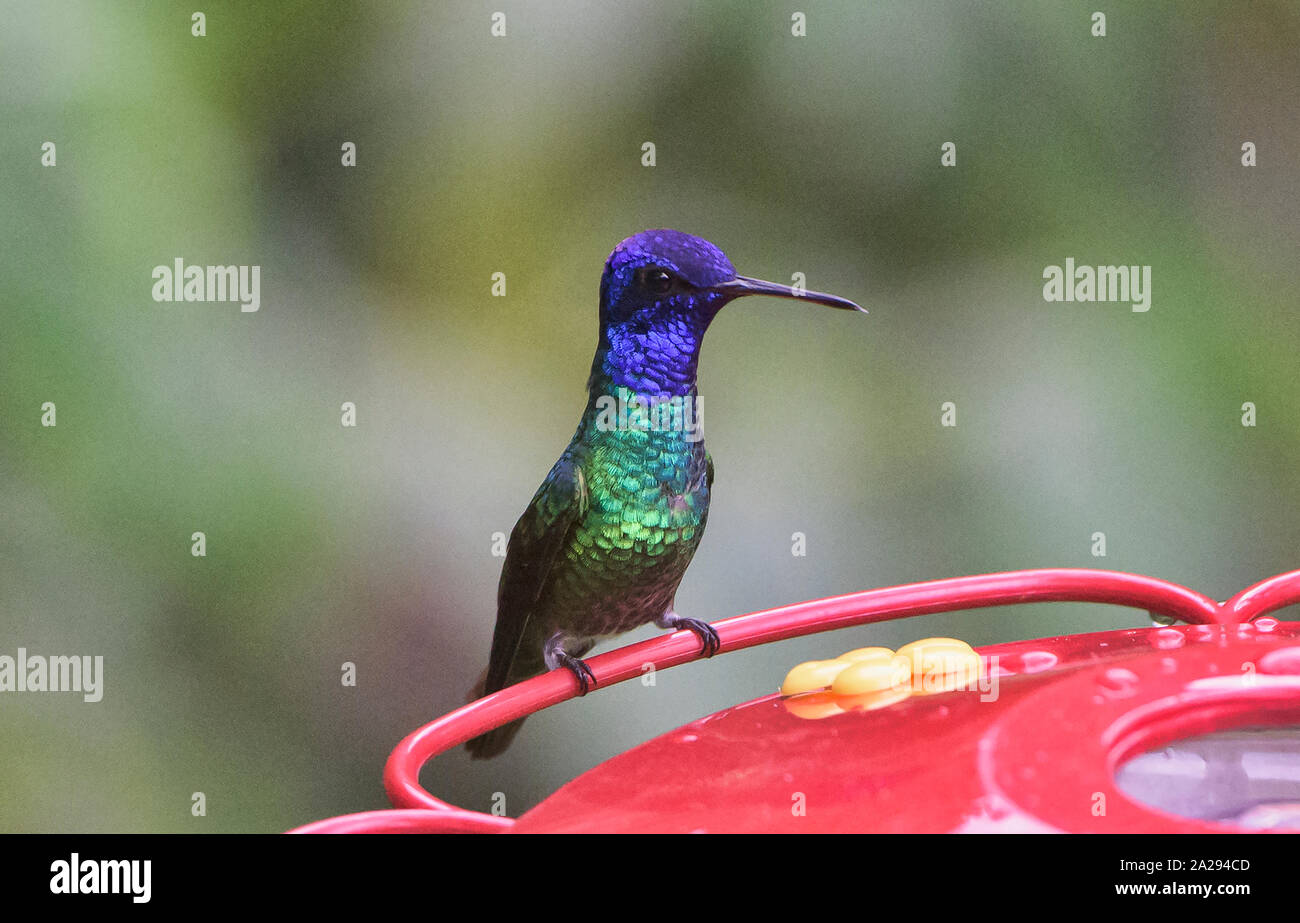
(647, 503)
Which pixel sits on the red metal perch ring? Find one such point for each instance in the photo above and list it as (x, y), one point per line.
(419, 811)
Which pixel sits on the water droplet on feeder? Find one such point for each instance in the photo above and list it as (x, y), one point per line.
(1284, 660)
(1167, 639)
(1037, 661)
(1118, 683)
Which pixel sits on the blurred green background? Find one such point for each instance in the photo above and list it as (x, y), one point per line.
(523, 155)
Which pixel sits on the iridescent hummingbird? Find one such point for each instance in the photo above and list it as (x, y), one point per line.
(608, 536)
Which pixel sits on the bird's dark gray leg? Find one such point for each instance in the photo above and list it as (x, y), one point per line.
(705, 632)
(556, 656)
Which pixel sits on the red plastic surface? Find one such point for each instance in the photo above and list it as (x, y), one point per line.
(1038, 758)
(401, 775)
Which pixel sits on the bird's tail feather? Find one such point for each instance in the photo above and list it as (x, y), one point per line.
(493, 742)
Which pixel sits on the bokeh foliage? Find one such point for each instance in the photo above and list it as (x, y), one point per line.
(818, 155)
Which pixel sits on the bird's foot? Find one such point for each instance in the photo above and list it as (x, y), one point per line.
(580, 670)
(703, 630)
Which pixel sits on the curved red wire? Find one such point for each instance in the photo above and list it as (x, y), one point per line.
(452, 820)
(1264, 597)
(401, 773)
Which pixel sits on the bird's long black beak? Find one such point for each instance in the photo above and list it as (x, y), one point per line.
(743, 286)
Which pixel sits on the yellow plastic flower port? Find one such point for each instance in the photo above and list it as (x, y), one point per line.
(868, 654)
(874, 677)
(812, 675)
(814, 705)
(942, 664)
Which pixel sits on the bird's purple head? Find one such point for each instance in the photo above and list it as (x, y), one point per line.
(663, 270)
(659, 292)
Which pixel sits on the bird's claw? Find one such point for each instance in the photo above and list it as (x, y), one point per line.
(586, 679)
(704, 631)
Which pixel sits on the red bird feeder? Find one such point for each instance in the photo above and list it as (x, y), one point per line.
(1037, 748)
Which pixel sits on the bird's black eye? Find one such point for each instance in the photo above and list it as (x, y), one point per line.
(657, 280)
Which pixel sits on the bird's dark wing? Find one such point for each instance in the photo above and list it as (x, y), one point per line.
(708, 483)
(536, 542)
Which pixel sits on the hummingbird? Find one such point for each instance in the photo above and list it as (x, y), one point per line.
(607, 538)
